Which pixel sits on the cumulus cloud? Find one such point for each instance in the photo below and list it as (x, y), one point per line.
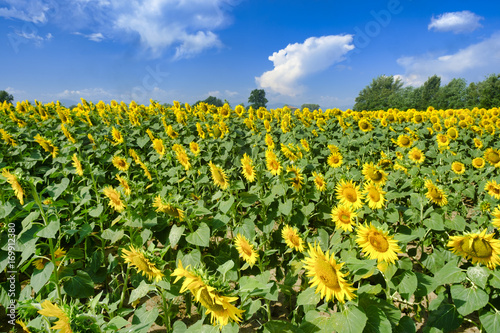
(473, 62)
(457, 22)
(299, 60)
(184, 27)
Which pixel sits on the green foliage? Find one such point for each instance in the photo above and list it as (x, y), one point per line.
(257, 98)
(377, 96)
(6, 97)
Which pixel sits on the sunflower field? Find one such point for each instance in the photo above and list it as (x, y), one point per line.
(132, 218)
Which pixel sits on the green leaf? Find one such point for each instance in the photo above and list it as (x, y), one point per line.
(278, 190)
(280, 326)
(50, 230)
(407, 283)
(458, 223)
(308, 297)
(445, 318)
(116, 323)
(200, 210)
(223, 269)
(225, 206)
(351, 320)
(490, 321)
(60, 188)
(6, 208)
(201, 237)
(175, 234)
(469, 299)
(435, 222)
(40, 277)
(97, 211)
(479, 275)
(113, 235)
(140, 291)
(450, 273)
(406, 325)
(285, 207)
(141, 142)
(377, 320)
(80, 285)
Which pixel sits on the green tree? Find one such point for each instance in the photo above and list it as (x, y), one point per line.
(211, 100)
(489, 92)
(378, 94)
(257, 98)
(5, 96)
(311, 107)
(430, 91)
(452, 95)
(472, 95)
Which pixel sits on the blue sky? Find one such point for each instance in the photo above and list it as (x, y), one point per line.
(314, 51)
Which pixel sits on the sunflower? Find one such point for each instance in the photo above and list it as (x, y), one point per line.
(195, 148)
(124, 184)
(159, 147)
(478, 143)
(14, 183)
(214, 301)
(435, 194)
(365, 125)
(305, 144)
(404, 141)
(52, 310)
(492, 155)
(114, 199)
(443, 140)
(298, 179)
(46, 145)
(343, 216)
(168, 208)
(481, 248)
(77, 164)
(272, 163)
(478, 163)
(458, 167)
(269, 141)
(120, 163)
(493, 189)
(292, 238)
(348, 194)
(327, 276)
(41, 262)
(335, 159)
(496, 217)
(219, 176)
(117, 136)
(145, 263)
(377, 244)
(183, 159)
(373, 174)
(319, 181)
(375, 197)
(247, 168)
(416, 155)
(246, 250)
(452, 133)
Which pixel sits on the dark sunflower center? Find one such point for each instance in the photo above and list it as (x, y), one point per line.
(378, 241)
(350, 194)
(345, 218)
(494, 157)
(478, 248)
(405, 141)
(374, 194)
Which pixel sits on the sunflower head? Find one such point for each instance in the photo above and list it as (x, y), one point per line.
(349, 194)
(247, 168)
(292, 238)
(493, 189)
(344, 217)
(335, 159)
(246, 250)
(374, 174)
(478, 247)
(146, 263)
(458, 167)
(478, 163)
(377, 244)
(374, 196)
(219, 176)
(416, 155)
(404, 141)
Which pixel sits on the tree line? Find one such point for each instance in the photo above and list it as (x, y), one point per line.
(386, 92)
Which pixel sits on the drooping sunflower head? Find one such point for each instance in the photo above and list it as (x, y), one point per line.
(493, 189)
(183, 159)
(327, 276)
(478, 143)
(63, 322)
(496, 217)
(416, 155)
(159, 147)
(195, 148)
(319, 181)
(77, 165)
(117, 136)
(297, 179)
(247, 168)
(272, 163)
(246, 250)
(219, 176)
(166, 207)
(374, 174)
(458, 167)
(478, 247)
(269, 141)
(374, 196)
(120, 163)
(14, 183)
(442, 140)
(344, 217)
(146, 263)
(478, 163)
(114, 198)
(349, 194)
(377, 244)
(292, 238)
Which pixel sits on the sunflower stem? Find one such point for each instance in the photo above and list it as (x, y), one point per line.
(124, 289)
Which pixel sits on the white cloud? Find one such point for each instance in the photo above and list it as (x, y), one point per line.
(231, 93)
(457, 22)
(214, 93)
(184, 27)
(473, 63)
(299, 60)
(95, 37)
